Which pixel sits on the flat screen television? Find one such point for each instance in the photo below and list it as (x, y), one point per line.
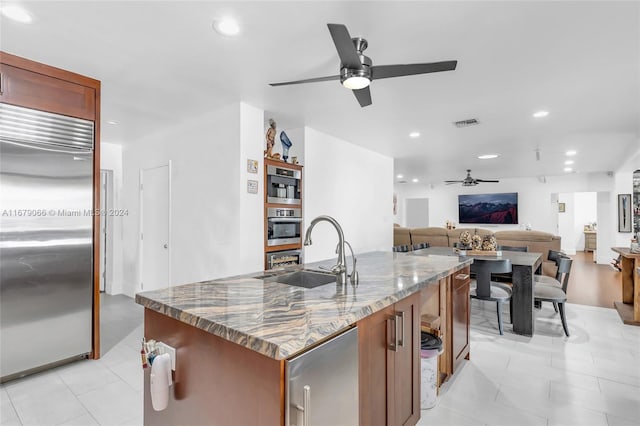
(499, 209)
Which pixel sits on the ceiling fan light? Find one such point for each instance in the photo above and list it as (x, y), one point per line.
(356, 82)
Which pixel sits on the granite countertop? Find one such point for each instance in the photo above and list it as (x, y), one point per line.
(278, 320)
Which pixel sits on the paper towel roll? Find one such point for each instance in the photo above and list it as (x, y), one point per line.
(160, 381)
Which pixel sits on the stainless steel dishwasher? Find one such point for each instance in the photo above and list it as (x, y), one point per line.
(322, 384)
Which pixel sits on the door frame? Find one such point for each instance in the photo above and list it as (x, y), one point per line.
(105, 206)
(141, 222)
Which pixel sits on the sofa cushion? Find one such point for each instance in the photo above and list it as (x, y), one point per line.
(435, 236)
(524, 236)
(401, 236)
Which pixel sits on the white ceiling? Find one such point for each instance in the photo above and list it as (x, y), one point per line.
(160, 62)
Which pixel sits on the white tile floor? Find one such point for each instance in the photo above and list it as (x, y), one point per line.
(591, 378)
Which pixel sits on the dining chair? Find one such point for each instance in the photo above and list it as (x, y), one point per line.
(556, 295)
(483, 288)
(401, 249)
(514, 248)
(561, 281)
(420, 246)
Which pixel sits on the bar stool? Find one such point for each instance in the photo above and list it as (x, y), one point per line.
(401, 249)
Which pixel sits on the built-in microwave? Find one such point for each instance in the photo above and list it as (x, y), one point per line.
(283, 185)
(284, 226)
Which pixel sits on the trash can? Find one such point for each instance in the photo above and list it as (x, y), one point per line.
(430, 348)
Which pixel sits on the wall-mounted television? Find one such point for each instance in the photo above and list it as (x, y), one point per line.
(499, 209)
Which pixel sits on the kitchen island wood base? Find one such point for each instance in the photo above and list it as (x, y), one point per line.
(216, 382)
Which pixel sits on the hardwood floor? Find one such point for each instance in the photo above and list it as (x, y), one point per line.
(592, 284)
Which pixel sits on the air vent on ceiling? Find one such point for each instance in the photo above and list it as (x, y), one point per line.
(466, 123)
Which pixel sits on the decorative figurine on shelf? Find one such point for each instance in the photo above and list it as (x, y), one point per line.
(286, 144)
(476, 242)
(465, 240)
(271, 140)
(489, 243)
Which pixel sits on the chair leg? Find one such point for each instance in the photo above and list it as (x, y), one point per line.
(511, 311)
(555, 306)
(499, 304)
(563, 318)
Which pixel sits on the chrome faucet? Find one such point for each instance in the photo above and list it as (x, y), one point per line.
(340, 268)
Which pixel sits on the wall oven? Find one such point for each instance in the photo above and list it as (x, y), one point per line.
(284, 226)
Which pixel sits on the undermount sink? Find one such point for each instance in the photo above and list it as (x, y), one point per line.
(306, 279)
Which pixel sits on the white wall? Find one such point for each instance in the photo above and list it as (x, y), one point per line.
(212, 235)
(251, 211)
(352, 184)
(111, 159)
(537, 201)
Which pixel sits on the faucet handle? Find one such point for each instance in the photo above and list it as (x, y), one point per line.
(354, 274)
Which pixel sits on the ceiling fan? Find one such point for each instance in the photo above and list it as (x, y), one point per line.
(357, 71)
(469, 181)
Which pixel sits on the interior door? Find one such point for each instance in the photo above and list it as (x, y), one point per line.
(154, 227)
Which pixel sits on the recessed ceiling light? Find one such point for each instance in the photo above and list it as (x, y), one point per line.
(113, 122)
(568, 169)
(571, 152)
(226, 26)
(16, 13)
(399, 176)
(540, 114)
(414, 180)
(568, 162)
(488, 156)
(414, 134)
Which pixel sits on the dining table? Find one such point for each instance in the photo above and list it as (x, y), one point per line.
(524, 265)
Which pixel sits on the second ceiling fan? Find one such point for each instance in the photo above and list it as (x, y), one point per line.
(357, 70)
(469, 181)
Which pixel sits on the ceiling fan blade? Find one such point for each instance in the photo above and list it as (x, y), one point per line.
(453, 181)
(308, 80)
(487, 181)
(346, 50)
(388, 71)
(363, 96)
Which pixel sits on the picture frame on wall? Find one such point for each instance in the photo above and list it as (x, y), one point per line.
(624, 213)
(561, 207)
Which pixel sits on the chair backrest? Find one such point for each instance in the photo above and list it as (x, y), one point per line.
(564, 269)
(555, 255)
(401, 248)
(514, 248)
(420, 246)
(483, 268)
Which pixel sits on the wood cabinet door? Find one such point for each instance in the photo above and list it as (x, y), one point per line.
(45, 93)
(375, 366)
(460, 307)
(406, 386)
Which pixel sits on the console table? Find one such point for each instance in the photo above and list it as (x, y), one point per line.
(629, 308)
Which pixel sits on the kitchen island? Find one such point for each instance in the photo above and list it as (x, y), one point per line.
(234, 336)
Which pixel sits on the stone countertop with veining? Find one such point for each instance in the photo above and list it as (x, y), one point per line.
(279, 320)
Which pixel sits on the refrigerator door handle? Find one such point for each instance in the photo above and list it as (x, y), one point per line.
(49, 147)
(306, 403)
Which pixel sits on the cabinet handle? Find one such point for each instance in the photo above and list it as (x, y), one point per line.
(306, 401)
(393, 345)
(462, 277)
(1, 85)
(401, 318)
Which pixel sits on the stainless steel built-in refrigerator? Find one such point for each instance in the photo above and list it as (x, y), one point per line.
(46, 239)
